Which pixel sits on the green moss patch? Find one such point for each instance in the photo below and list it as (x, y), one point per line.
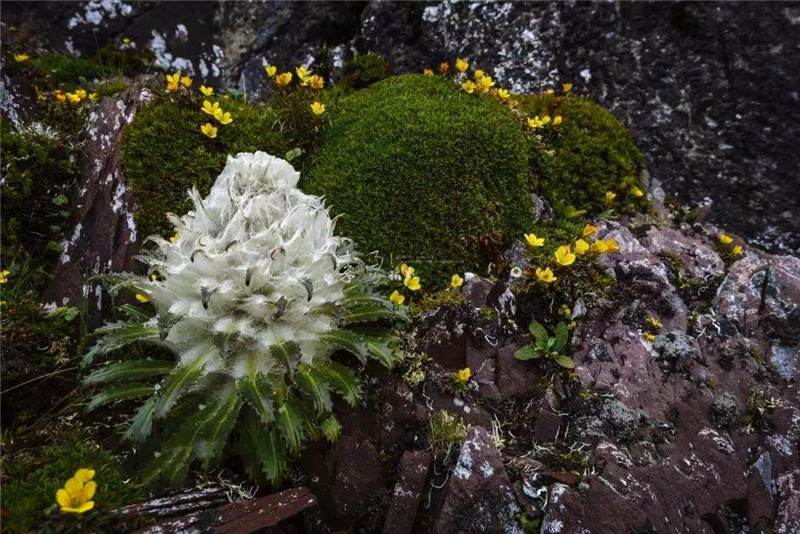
(593, 153)
(164, 154)
(426, 173)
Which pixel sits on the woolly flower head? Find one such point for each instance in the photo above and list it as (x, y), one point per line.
(256, 258)
(252, 296)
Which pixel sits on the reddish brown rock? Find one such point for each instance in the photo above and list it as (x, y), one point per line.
(407, 493)
(103, 237)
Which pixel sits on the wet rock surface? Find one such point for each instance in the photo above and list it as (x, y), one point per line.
(721, 124)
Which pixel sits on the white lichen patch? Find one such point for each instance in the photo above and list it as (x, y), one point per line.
(96, 11)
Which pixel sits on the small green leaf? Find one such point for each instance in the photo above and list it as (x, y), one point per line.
(525, 353)
(293, 154)
(565, 361)
(60, 200)
(538, 331)
(331, 428)
(562, 334)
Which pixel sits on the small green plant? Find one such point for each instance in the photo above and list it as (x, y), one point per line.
(547, 347)
(445, 430)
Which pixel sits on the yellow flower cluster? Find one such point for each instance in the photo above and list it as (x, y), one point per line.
(77, 494)
(175, 81)
(19, 58)
(307, 79)
(77, 97)
(4, 276)
(566, 255)
(725, 240)
(464, 375)
(213, 109)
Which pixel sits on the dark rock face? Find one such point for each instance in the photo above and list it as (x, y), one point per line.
(478, 497)
(707, 89)
(104, 238)
(407, 493)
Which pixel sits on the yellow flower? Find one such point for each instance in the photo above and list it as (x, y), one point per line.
(566, 87)
(581, 247)
(612, 246)
(172, 87)
(207, 91)
(456, 281)
(725, 239)
(538, 122)
(546, 119)
(316, 82)
(557, 120)
(461, 65)
(283, 79)
(126, 40)
(412, 283)
(649, 337)
(599, 246)
(4, 276)
(545, 275)
(588, 230)
(72, 97)
(60, 97)
(550, 91)
(303, 74)
(174, 78)
(444, 67)
(209, 108)
(270, 70)
(141, 297)
(503, 94)
(638, 193)
(210, 131)
(92, 97)
(478, 74)
(564, 256)
(610, 196)
(173, 238)
(317, 108)
(427, 72)
(534, 241)
(186, 81)
(77, 493)
(80, 93)
(397, 298)
(19, 58)
(406, 270)
(224, 117)
(737, 250)
(655, 323)
(469, 86)
(486, 83)
(463, 375)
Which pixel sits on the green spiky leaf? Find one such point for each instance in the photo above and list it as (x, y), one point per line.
(314, 385)
(331, 428)
(118, 335)
(347, 341)
(130, 370)
(142, 423)
(342, 380)
(288, 353)
(177, 383)
(289, 420)
(127, 391)
(255, 389)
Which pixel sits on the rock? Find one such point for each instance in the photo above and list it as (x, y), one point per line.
(444, 334)
(483, 362)
(407, 493)
(517, 255)
(619, 422)
(633, 260)
(103, 239)
(476, 291)
(358, 474)
(478, 496)
(547, 427)
(784, 360)
(788, 517)
(698, 258)
(723, 412)
(761, 492)
(676, 350)
(515, 378)
(540, 209)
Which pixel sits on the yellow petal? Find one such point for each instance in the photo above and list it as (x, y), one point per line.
(84, 475)
(74, 487)
(62, 498)
(88, 490)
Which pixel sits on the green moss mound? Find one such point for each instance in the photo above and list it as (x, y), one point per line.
(593, 153)
(164, 154)
(363, 71)
(426, 173)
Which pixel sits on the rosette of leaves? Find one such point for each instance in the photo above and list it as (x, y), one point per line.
(253, 296)
(547, 347)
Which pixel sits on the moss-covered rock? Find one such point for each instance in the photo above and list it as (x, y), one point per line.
(164, 154)
(593, 154)
(426, 173)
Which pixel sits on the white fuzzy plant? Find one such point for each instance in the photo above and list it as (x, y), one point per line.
(252, 296)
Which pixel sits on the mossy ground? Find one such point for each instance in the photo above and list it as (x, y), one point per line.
(424, 172)
(593, 153)
(164, 154)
